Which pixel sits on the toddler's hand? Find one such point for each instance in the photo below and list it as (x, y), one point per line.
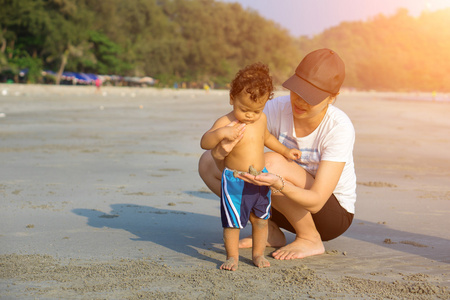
(233, 130)
(293, 154)
(226, 145)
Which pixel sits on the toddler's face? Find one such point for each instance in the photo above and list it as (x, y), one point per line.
(245, 109)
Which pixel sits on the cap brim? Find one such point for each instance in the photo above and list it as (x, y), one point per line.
(306, 90)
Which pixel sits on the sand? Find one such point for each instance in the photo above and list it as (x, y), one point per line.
(101, 199)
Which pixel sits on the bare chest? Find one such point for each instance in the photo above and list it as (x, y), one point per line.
(253, 136)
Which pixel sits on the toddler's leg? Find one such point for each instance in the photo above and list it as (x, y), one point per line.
(231, 240)
(259, 235)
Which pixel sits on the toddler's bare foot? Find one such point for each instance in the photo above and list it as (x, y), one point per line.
(261, 262)
(231, 264)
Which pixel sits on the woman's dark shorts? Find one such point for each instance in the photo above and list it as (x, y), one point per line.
(331, 221)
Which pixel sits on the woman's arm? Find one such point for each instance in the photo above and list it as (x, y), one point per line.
(312, 199)
(325, 182)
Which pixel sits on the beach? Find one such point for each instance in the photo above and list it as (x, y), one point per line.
(101, 199)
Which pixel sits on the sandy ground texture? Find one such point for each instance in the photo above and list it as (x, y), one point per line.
(101, 199)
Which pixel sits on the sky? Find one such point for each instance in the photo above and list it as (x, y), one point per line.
(310, 17)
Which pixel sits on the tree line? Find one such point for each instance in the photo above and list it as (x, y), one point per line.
(208, 41)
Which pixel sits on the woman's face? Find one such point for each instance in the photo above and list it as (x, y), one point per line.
(302, 110)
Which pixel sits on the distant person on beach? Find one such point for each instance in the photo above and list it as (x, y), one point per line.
(317, 194)
(241, 201)
(206, 87)
(98, 84)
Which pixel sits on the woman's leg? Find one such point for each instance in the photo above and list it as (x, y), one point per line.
(209, 172)
(307, 241)
(275, 237)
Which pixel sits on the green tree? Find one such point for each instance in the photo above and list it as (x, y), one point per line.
(21, 23)
(107, 56)
(68, 33)
(209, 40)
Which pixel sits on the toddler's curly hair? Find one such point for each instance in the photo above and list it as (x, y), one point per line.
(256, 81)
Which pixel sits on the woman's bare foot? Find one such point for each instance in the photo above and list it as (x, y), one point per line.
(231, 264)
(300, 248)
(261, 262)
(275, 239)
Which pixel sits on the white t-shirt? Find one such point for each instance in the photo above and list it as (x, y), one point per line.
(332, 140)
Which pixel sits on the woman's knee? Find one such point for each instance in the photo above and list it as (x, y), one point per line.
(207, 166)
(209, 172)
(274, 160)
(204, 163)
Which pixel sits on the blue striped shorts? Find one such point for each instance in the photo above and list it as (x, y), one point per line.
(240, 198)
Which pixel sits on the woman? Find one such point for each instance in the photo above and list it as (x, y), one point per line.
(314, 196)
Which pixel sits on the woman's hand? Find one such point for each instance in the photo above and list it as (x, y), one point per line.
(265, 179)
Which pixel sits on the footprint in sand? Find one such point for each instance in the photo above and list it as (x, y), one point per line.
(377, 184)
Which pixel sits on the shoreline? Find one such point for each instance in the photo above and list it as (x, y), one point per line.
(80, 90)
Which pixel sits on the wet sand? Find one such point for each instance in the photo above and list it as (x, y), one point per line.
(101, 199)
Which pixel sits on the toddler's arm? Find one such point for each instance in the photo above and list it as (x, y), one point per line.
(273, 144)
(219, 132)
